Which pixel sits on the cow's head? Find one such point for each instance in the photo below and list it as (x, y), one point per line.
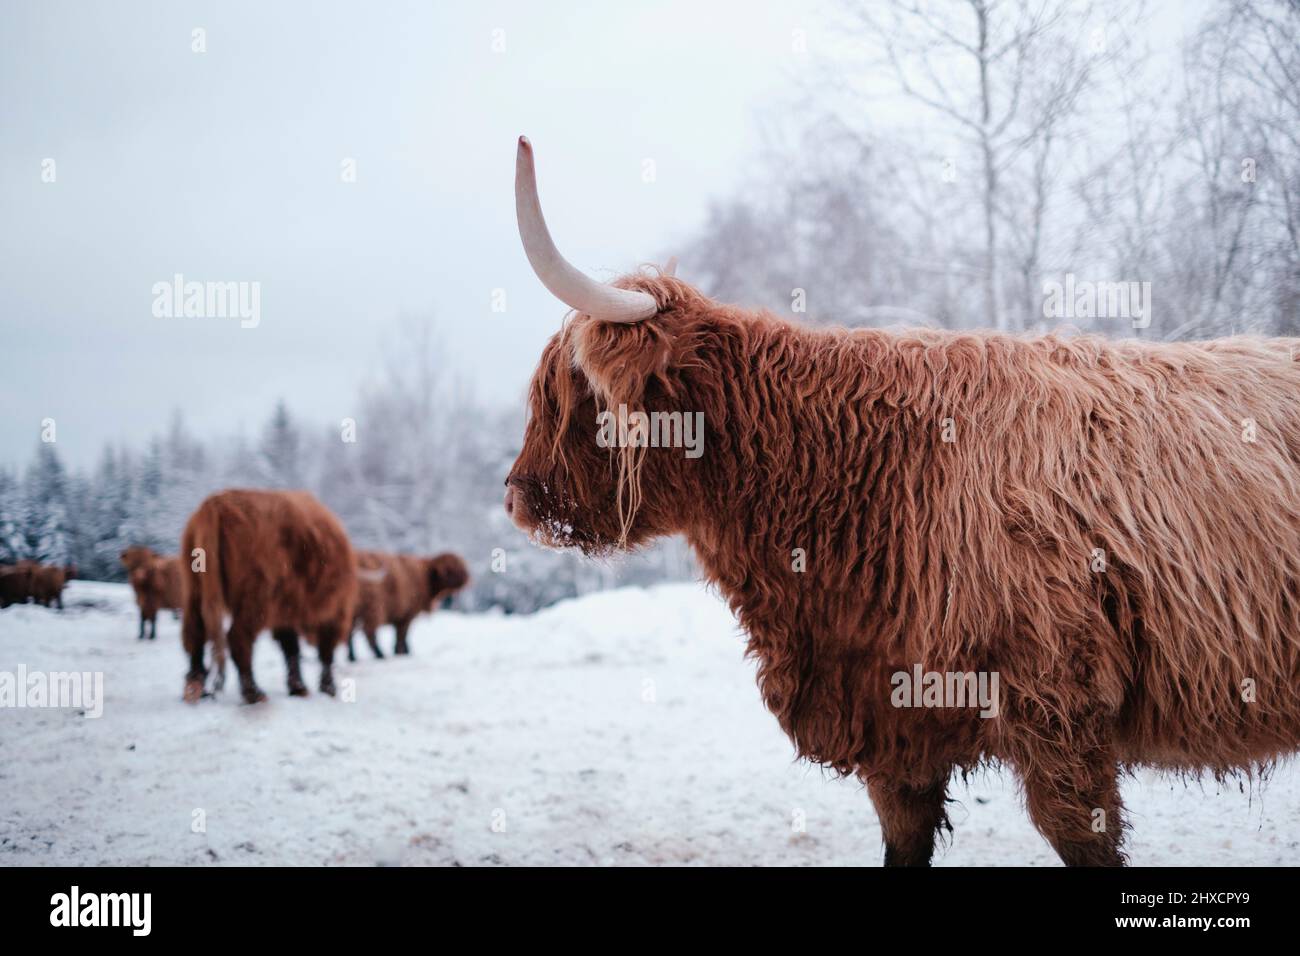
(136, 556)
(447, 575)
(583, 478)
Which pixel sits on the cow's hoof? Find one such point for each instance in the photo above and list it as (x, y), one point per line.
(298, 690)
(193, 691)
(253, 695)
(327, 687)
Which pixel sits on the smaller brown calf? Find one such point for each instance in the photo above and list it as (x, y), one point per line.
(396, 588)
(156, 580)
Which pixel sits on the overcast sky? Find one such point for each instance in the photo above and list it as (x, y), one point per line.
(226, 165)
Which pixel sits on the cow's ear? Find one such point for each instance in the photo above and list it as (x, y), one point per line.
(617, 359)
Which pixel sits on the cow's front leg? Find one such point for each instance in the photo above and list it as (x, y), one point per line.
(401, 646)
(910, 818)
(141, 635)
(1073, 799)
(287, 638)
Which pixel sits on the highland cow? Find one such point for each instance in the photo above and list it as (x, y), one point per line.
(1112, 529)
(48, 582)
(396, 588)
(157, 583)
(277, 559)
(15, 583)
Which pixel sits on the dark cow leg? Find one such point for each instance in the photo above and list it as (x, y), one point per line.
(373, 640)
(140, 637)
(240, 641)
(198, 674)
(193, 638)
(288, 639)
(153, 627)
(352, 654)
(326, 638)
(909, 819)
(400, 647)
(1077, 807)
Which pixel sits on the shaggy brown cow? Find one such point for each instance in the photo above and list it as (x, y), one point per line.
(48, 582)
(277, 559)
(1111, 529)
(396, 588)
(157, 582)
(16, 583)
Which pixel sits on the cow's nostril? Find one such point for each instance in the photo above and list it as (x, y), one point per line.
(510, 500)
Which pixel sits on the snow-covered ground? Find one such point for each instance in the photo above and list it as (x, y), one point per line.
(620, 728)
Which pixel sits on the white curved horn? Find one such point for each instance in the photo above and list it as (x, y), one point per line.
(670, 268)
(566, 283)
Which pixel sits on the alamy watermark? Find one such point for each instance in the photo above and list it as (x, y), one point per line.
(920, 688)
(651, 430)
(208, 300)
(75, 908)
(83, 690)
(1086, 299)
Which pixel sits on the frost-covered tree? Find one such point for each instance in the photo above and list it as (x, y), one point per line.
(47, 531)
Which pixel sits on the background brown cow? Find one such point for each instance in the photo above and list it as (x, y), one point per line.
(41, 583)
(396, 588)
(48, 582)
(277, 559)
(15, 583)
(156, 581)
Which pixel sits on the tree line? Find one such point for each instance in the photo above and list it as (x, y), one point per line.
(952, 157)
(418, 469)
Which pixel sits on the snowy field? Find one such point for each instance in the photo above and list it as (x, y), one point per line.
(620, 728)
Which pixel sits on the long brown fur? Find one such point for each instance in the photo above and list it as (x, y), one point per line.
(1111, 527)
(277, 559)
(48, 582)
(396, 588)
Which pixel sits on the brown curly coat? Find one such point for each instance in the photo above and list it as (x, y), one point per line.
(1111, 527)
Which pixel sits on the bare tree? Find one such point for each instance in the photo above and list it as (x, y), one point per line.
(1004, 79)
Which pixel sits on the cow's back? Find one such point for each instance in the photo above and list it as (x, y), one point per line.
(412, 590)
(284, 559)
(372, 585)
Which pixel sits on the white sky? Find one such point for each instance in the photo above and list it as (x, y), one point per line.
(226, 166)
